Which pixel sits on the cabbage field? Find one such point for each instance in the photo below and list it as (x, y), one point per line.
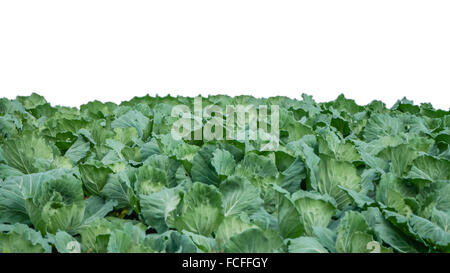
(332, 177)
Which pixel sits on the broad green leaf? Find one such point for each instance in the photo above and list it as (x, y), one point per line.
(400, 157)
(201, 210)
(156, 207)
(129, 239)
(230, 226)
(119, 188)
(326, 237)
(28, 154)
(255, 166)
(55, 216)
(380, 125)
(441, 219)
(14, 191)
(133, 119)
(252, 240)
(177, 148)
(65, 243)
(353, 234)
(431, 233)
(315, 210)
(203, 243)
(223, 162)
(334, 173)
(287, 215)
(361, 200)
(96, 208)
(169, 166)
(240, 196)
(19, 238)
(293, 176)
(388, 194)
(202, 168)
(78, 150)
(149, 180)
(32, 101)
(331, 145)
(94, 176)
(430, 168)
(306, 245)
(172, 242)
(388, 233)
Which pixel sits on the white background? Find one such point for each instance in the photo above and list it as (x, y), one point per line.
(76, 51)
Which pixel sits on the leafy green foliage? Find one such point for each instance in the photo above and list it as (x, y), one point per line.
(110, 178)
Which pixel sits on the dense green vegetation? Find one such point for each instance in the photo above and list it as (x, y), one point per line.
(111, 178)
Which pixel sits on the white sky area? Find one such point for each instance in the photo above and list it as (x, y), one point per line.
(73, 52)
